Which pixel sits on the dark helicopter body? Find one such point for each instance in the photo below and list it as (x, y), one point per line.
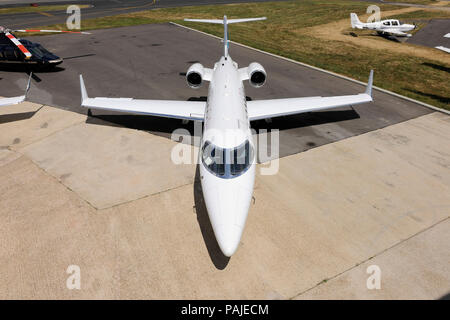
(11, 54)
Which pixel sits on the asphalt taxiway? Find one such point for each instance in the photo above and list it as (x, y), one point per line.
(96, 9)
(432, 35)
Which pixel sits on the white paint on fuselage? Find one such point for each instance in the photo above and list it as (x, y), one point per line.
(226, 125)
(389, 26)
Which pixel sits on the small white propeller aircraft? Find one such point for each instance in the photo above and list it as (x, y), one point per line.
(16, 100)
(227, 154)
(384, 27)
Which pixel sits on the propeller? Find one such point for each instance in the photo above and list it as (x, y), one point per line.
(21, 47)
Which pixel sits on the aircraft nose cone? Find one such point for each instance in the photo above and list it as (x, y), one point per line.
(228, 237)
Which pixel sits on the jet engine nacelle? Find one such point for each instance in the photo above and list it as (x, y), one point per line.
(256, 74)
(194, 75)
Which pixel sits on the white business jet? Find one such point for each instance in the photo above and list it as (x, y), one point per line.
(227, 161)
(384, 27)
(16, 100)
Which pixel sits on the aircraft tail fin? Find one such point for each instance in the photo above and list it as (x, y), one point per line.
(355, 21)
(225, 23)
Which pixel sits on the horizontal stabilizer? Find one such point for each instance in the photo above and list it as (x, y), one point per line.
(225, 23)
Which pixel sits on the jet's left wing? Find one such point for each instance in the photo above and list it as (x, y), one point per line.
(263, 109)
(16, 100)
(187, 110)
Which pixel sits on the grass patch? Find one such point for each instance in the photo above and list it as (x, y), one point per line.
(38, 9)
(283, 33)
(416, 1)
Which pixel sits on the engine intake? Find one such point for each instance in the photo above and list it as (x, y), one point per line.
(256, 75)
(194, 75)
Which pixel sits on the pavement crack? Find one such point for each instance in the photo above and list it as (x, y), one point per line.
(327, 279)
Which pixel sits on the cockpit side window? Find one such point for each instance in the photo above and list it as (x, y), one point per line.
(214, 158)
(227, 163)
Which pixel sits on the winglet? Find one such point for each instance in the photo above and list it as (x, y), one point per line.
(84, 95)
(369, 84)
(28, 84)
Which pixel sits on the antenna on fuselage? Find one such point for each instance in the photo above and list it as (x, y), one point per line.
(225, 23)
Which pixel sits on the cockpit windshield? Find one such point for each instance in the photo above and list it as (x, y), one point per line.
(227, 163)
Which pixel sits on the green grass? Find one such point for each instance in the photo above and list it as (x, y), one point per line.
(424, 79)
(296, 13)
(37, 9)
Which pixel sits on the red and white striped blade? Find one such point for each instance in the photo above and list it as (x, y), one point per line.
(59, 31)
(18, 44)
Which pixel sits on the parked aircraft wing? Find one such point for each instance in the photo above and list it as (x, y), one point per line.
(262, 109)
(16, 100)
(445, 49)
(189, 110)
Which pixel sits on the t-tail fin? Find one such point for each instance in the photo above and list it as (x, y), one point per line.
(225, 23)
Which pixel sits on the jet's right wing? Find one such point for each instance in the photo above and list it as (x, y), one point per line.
(262, 109)
(16, 100)
(187, 110)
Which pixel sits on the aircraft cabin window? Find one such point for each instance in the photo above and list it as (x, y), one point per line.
(395, 23)
(386, 23)
(227, 163)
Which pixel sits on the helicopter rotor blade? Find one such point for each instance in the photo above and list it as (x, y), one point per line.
(18, 45)
(58, 31)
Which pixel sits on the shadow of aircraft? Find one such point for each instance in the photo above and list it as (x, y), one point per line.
(11, 117)
(436, 66)
(7, 67)
(164, 127)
